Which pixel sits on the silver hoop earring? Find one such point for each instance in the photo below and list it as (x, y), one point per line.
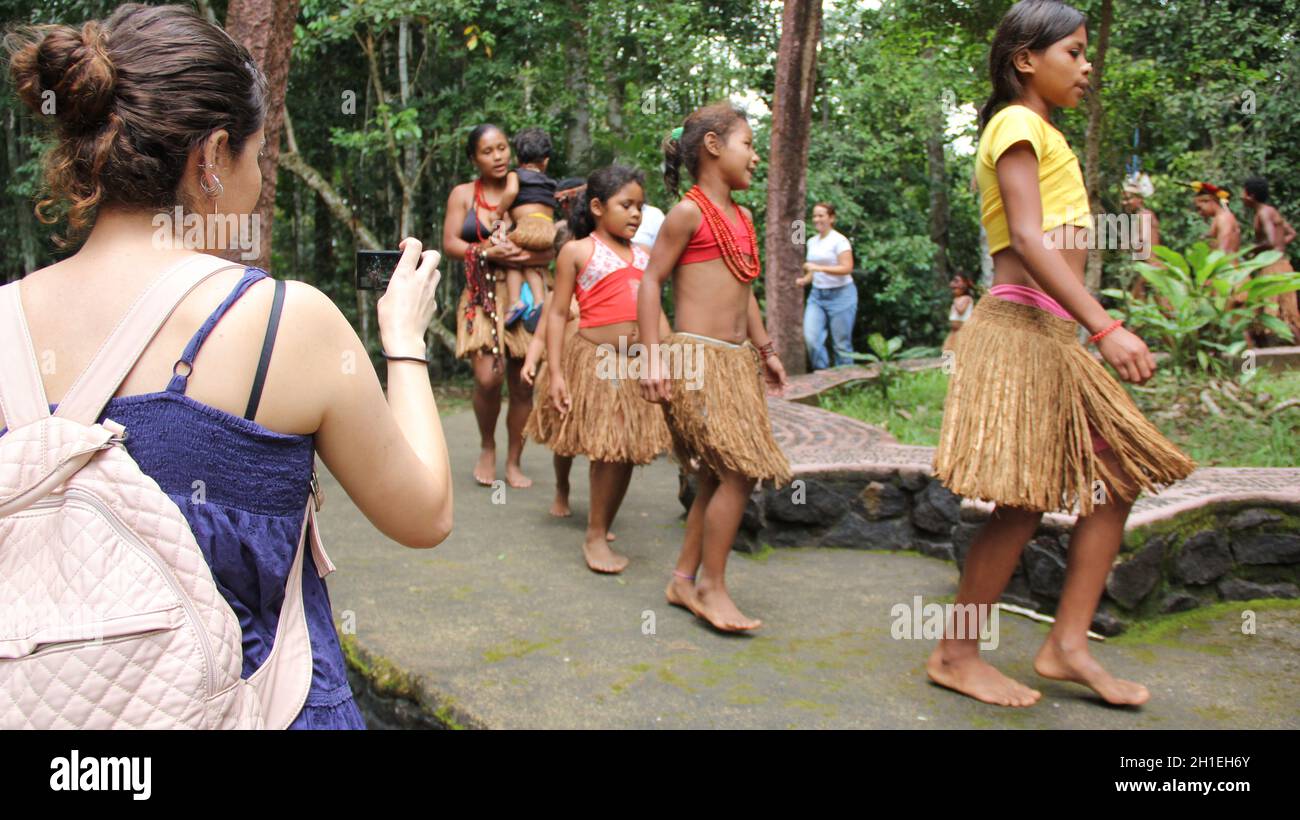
(211, 190)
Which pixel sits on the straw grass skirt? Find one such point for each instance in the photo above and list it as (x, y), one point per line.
(541, 423)
(723, 425)
(607, 420)
(468, 343)
(534, 232)
(1022, 394)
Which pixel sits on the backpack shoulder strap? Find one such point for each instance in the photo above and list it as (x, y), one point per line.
(283, 681)
(110, 365)
(22, 395)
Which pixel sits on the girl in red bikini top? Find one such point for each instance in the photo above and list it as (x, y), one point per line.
(704, 245)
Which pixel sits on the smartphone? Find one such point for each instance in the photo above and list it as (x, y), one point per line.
(375, 268)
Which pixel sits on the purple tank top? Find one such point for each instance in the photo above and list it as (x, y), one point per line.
(243, 489)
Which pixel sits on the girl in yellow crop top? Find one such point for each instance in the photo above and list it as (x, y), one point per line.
(1032, 422)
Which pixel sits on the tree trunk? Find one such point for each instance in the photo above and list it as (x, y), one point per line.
(938, 174)
(205, 8)
(15, 156)
(787, 187)
(362, 235)
(986, 261)
(410, 152)
(1092, 150)
(265, 27)
(575, 55)
(616, 97)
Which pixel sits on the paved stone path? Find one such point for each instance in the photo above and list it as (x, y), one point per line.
(807, 386)
(503, 626)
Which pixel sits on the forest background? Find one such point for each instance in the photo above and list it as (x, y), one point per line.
(381, 94)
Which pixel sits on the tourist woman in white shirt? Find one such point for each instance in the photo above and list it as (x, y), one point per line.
(833, 303)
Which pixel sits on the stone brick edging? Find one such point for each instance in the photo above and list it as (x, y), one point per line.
(1221, 534)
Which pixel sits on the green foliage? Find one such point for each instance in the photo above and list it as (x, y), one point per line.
(1239, 438)
(1210, 86)
(1203, 302)
(913, 413)
(886, 354)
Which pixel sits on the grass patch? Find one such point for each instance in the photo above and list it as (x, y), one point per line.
(919, 397)
(914, 414)
(1236, 438)
(765, 551)
(1170, 630)
(390, 681)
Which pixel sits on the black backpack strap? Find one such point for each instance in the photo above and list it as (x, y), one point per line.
(268, 343)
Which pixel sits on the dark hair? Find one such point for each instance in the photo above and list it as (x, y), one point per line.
(720, 118)
(1030, 25)
(602, 185)
(133, 96)
(476, 135)
(972, 287)
(532, 145)
(830, 209)
(1257, 187)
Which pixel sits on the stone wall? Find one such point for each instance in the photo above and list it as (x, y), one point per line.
(1221, 552)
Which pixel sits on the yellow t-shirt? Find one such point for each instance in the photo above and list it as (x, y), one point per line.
(1060, 181)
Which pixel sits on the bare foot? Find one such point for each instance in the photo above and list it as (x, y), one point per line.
(974, 677)
(609, 536)
(560, 506)
(1078, 666)
(600, 558)
(515, 477)
(681, 592)
(713, 604)
(485, 472)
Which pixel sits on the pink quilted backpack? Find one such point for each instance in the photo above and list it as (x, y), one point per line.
(109, 617)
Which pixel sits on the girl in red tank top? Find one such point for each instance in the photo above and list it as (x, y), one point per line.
(592, 404)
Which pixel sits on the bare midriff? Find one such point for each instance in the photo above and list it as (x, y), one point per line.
(710, 301)
(611, 334)
(1008, 269)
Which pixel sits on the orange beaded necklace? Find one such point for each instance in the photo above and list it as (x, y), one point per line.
(745, 271)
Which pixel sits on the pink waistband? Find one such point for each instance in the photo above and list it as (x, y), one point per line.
(1028, 296)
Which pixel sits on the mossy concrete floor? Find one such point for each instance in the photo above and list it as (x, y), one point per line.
(504, 623)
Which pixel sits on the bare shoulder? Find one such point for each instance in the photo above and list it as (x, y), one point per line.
(575, 251)
(311, 313)
(684, 214)
(461, 193)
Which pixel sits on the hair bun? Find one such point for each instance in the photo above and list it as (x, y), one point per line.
(75, 66)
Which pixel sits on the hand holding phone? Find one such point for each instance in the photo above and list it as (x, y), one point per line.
(410, 300)
(375, 269)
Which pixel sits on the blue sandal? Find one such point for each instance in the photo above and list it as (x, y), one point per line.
(533, 318)
(516, 313)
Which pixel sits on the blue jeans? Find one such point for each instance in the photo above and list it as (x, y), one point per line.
(835, 308)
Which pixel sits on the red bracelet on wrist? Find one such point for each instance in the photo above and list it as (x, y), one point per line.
(1097, 337)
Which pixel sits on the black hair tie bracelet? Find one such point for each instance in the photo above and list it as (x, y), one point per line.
(405, 359)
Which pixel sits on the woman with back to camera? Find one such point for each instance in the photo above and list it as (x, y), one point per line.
(157, 108)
